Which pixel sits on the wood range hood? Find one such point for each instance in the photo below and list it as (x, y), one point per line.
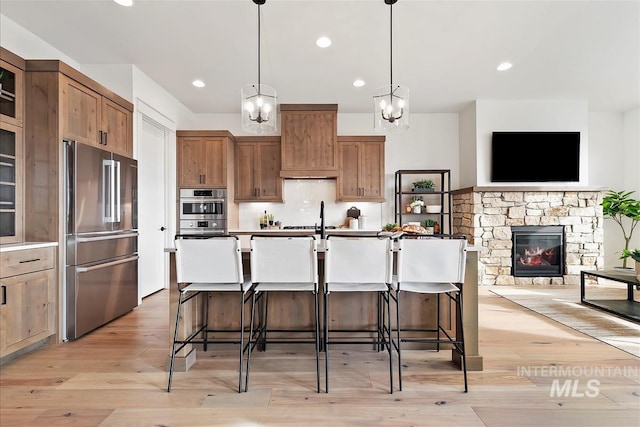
(309, 141)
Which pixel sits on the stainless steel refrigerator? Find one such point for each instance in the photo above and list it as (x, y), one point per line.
(101, 250)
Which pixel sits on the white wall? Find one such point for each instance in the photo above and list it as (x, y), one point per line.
(468, 161)
(529, 115)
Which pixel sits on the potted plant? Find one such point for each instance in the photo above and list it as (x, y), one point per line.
(625, 211)
(417, 205)
(430, 224)
(423, 186)
(635, 255)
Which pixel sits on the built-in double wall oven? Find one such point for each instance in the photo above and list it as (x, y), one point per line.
(203, 211)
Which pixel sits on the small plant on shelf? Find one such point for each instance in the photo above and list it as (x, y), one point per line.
(423, 185)
(429, 223)
(417, 205)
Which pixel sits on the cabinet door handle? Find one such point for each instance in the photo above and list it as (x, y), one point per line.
(106, 138)
(4, 295)
(101, 137)
(29, 260)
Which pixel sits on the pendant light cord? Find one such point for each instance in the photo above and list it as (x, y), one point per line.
(258, 48)
(391, 47)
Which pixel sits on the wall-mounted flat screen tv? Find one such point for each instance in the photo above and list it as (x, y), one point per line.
(535, 157)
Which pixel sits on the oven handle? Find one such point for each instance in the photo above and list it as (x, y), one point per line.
(200, 200)
(106, 264)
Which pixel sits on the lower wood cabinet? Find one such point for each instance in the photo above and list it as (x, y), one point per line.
(28, 308)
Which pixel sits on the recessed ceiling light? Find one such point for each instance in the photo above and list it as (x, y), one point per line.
(198, 83)
(358, 83)
(504, 66)
(124, 2)
(323, 42)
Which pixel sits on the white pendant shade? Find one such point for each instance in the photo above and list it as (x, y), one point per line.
(259, 109)
(391, 108)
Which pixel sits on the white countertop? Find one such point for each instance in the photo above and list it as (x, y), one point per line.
(26, 245)
(304, 231)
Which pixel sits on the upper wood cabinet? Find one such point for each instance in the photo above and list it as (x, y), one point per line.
(89, 112)
(202, 158)
(361, 160)
(93, 119)
(81, 109)
(309, 140)
(257, 169)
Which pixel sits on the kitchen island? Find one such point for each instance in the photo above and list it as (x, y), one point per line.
(357, 311)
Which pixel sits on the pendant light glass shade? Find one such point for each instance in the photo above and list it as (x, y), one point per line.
(259, 102)
(391, 102)
(259, 109)
(391, 108)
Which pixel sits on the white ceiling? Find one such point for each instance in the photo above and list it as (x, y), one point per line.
(445, 51)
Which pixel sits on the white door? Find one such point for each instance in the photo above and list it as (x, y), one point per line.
(152, 220)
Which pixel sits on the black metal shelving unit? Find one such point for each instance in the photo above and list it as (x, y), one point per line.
(441, 195)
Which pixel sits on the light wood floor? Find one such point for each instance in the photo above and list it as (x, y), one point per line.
(116, 377)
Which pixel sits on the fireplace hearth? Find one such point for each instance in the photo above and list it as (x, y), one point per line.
(538, 251)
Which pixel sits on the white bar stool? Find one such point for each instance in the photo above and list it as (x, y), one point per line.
(283, 264)
(205, 265)
(432, 266)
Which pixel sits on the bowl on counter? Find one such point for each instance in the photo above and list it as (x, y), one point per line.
(433, 208)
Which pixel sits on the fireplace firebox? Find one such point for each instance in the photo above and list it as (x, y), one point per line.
(538, 251)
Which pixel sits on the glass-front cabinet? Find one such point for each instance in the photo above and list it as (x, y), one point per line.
(10, 183)
(11, 149)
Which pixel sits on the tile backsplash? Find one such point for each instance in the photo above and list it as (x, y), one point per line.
(301, 206)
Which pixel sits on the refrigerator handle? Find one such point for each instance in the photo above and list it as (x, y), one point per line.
(116, 191)
(69, 160)
(108, 190)
(106, 264)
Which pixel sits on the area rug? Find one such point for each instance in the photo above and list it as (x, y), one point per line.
(562, 304)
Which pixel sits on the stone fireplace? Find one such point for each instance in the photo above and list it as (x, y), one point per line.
(488, 217)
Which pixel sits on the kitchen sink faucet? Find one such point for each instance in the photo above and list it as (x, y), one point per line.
(322, 227)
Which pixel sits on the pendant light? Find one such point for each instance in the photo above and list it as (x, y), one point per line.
(391, 102)
(259, 112)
